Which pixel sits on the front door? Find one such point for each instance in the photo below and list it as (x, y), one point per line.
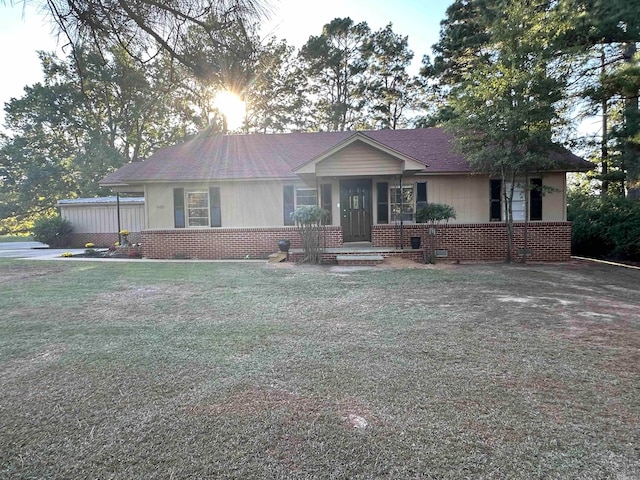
(355, 210)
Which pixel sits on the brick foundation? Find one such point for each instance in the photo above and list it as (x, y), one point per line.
(548, 241)
(225, 243)
(79, 240)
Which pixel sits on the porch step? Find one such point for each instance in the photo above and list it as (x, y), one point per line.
(277, 257)
(359, 259)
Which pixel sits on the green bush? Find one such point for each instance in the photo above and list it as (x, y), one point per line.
(308, 219)
(434, 213)
(604, 226)
(51, 230)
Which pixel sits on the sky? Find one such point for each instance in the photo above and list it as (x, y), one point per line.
(25, 30)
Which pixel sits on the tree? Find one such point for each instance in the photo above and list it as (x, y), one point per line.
(275, 96)
(505, 105)
(389, 90)
(599, 46)
(144, 28)
(71, 130)
(334, 64)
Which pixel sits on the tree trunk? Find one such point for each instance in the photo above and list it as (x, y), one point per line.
(632, 148)
(604, 151)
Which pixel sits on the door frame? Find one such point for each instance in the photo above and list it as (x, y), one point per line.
(364, 215)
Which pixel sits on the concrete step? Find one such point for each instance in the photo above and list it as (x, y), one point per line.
(359, 259)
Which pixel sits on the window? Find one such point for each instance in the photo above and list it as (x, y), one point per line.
(326, 203)
(306, 196)
(288, 201)
(495, 205)
(178, 208)
(518, 204)
(198, 209)
(383, 202)
(421, 195)
(293, 198)
(401, 203)
(535, 200)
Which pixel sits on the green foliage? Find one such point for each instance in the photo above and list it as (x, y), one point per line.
(604, 226)
(308, 219)
(334, 63)
(434, 213)
(275, 95)
(505, 102)
(51, 230)
(389, 90)
(308, 215)
(93, 112)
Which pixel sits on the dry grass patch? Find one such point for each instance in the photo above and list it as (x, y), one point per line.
(160, 370)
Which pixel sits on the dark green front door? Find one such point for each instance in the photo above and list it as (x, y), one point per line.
(355, 210)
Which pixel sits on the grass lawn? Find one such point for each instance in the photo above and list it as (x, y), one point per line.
(213, 370)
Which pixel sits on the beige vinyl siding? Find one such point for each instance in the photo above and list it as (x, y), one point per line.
(359, 159)
(260, 203)
(91, 218)
(554, 202)
(469, 195)
(242, 203)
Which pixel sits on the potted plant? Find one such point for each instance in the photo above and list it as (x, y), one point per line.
(284, 245)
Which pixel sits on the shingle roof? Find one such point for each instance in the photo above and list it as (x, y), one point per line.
(225, 157)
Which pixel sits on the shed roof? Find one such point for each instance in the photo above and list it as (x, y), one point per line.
(99, 201)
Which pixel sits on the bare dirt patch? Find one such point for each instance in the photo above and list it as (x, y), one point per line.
(27, 271)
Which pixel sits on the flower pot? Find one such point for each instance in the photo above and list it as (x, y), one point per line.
(284, 245)
(415, 242)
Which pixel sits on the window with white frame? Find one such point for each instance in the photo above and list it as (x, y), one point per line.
(519, 203)
(402, 203)
(197, 209)
(306, 196)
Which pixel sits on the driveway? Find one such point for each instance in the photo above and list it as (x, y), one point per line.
(31, 250)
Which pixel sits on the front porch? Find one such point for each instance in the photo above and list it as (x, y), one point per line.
(361, 253)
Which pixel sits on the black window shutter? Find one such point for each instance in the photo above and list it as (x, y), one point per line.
(289, 204)
(178, 207)
(383, 202)
(214, 206)
(326, 202)
(535, 199)
(421, 195)
(496, 201)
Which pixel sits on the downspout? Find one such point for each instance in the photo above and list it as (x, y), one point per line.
(118, 215)
(401, 215)
(319, 204)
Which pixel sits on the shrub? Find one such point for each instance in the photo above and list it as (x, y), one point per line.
(434, 213)
(308, 219)
(51, 230)
(604, 226)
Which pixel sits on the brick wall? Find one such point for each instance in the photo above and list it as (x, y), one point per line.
(79, 240)
(225, 243)
(548, 241)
